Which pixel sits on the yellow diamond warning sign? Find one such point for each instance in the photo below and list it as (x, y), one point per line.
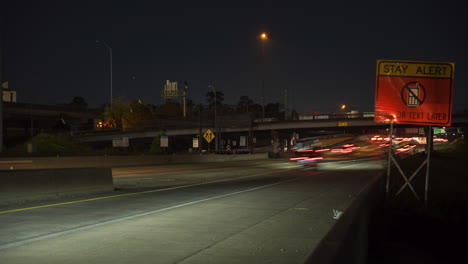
(208, 136)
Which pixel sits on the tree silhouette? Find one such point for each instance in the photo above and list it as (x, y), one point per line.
(169, 108)
(197, 109)
(78, 101)
(211, 97)
(128, 115)
(244, 104)
(114, 115)
(139, 116)
(272, 110)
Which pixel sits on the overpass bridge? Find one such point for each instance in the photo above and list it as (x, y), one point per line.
(190, 129)
(23, 120)
(230, 128)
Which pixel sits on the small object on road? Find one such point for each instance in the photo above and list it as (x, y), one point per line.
(337, 214)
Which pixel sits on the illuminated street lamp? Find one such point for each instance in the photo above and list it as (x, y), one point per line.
(110, 65)
(343, 107)
(263, 38)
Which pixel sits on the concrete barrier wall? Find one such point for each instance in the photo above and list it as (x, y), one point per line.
(39, 178)
(17, 186)
(119, 161)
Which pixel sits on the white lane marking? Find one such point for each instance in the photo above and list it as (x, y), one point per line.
(205, 183)
(19, 243)
(359, 162)
(129, 194)
(348, 166)
(134, 179)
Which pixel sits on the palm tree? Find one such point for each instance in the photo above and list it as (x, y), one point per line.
(244, 103)
(212, 96)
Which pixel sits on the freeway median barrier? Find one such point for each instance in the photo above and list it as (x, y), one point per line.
(40, 178)
(16, 163)
(18, 186)
(123, 161)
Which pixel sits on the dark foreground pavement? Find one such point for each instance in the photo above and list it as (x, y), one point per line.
(408, 237)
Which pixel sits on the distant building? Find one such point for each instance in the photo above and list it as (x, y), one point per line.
(7, 94)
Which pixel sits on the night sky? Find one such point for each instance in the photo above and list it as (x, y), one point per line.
(323, 53)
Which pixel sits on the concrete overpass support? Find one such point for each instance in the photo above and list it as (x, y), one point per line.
(288, 141)
(275, 138)
(250, 140)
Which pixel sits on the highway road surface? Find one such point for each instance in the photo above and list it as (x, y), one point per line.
(267, 211)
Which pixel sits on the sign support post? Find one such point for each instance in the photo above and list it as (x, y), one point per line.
(429, 147)
(387, 188)
(209, 136)
(171, 91)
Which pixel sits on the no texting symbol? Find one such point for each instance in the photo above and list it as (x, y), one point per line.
(413, 94)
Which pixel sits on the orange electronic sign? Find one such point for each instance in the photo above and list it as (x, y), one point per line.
(413, 92)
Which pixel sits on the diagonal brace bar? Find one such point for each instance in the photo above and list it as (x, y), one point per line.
(412, 176)
(405, 178)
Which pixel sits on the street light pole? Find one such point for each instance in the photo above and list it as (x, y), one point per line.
(215, 117)
(285, 104)
(185, 99)
(1, 85)
(110, 66)
(263, 37)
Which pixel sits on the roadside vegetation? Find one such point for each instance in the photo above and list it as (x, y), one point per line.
(156, 148)
(44, 144)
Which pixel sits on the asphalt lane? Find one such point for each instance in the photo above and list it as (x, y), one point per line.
(258, 211)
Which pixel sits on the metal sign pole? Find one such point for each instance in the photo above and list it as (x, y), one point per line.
(389, 162)
(200, 141)
(1, 85)
(428, 159)
(184, 94)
